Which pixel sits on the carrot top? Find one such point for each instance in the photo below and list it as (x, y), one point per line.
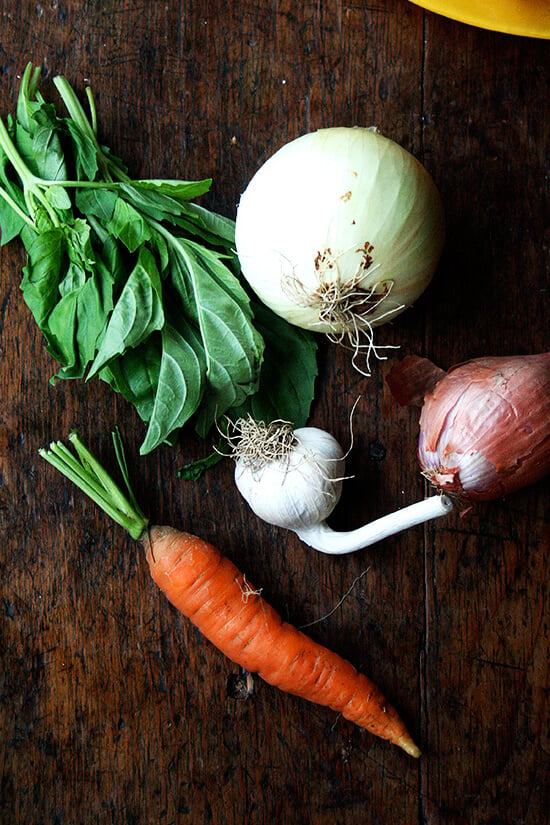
(84, 470)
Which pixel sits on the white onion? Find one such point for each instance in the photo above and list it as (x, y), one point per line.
(340, 231)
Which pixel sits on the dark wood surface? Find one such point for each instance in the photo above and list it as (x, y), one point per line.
(113, 709)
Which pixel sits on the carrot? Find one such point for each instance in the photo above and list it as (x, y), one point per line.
(208, 588)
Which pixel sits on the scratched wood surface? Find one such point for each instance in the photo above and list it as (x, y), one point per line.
(113, 709)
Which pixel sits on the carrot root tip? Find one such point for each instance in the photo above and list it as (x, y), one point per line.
(409, 746)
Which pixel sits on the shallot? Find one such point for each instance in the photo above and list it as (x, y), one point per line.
(484, 425)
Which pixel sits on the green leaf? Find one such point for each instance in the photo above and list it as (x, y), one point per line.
(195, 469)
(74, 279)
(233, 347)
(117, 167)
(216, 264)
(179, 389)
(75, 324)
(11, 222)
(211, 227)
(41, 149)
(159, 245)
(84, 151)
(79, 242)
(111, 255)
(98, 202)
(82, 261)
(42, 273)
(137, 313)
(182, 190)
(48, 160)
(24, 143)
(43, 222)
(59, 198)
(135, 375)
(26, 105)
(289, 370)
(128, 225)
(152, 201)
(69, 292)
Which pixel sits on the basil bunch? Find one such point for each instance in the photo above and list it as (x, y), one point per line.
(131, 281)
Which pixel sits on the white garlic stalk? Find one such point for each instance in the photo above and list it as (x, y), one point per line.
(293, 479)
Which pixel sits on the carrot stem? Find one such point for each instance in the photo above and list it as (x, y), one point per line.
(86, 472)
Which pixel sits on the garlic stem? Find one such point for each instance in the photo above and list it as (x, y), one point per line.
(321, 537)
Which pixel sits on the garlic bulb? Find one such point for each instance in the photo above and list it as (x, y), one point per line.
(293, 479)
(484, 425)
(339, 231)
(297, 488)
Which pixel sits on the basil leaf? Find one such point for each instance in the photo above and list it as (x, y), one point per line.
(137, 313)
(59, 198)
(135, 375)
(24, 143)
(289, 370)
(179, 389)
(48, 159)
(32, 110)
(26, 104)
(69, 292)
(42, 272)
(111, 255)
(84, 152)
(210, 226)
(195, 469)
(158, 244)
(11, 223)
(128, 225)
(74, 325)
(154, 204)
(233, 348)
(101, 203)
(79, 246)
(42, 151)
(216, 264)
(98, 202)
(184, 190)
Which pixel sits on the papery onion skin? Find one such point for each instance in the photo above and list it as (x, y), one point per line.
(485, 425)
(336, 205)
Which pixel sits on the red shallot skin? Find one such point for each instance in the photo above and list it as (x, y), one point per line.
(485, 427)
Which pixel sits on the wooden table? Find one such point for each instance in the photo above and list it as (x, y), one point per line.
(113, 708)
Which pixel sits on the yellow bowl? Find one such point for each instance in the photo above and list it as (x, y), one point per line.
(530, 18)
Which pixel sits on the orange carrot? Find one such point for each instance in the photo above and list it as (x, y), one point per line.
(207, 588)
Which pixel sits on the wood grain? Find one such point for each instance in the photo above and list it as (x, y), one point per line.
(113, 709)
